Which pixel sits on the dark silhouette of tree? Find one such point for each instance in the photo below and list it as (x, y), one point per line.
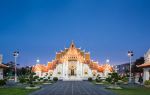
(135, 69)
(21, 71)
(24, 71)
(10, 70)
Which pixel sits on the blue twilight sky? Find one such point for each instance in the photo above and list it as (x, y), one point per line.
(106, 28)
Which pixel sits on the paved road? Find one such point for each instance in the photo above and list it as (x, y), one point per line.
(72, 88)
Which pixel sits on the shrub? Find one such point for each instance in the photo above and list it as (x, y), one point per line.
(31, 78)
(27, 79)
(55, 79)
(125, 79)
(49, 78)
(90, 79)
(45, 80)
(36, 77)
(5, 79)
(113, 78)
(109, 79)
(147, 82)
(2, 82)
(41, 78)
(22, 80)
(32, 85)
(98, 80)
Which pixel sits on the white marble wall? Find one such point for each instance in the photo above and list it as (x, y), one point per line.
(80, 71)
(146, 74)
(89, 71)
(146, 71)
(64, 70)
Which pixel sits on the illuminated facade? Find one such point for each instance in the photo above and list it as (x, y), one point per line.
(72, 64)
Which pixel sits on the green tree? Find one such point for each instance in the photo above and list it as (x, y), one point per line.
(113, 78)
(135, 69)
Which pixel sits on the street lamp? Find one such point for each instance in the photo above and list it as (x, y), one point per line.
(130, 55)
(16, 54)
(107, 61)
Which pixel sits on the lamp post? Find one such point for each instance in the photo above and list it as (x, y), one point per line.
(15, 54)
(130, 55)
(107, 61)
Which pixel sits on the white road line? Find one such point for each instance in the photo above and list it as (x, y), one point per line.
(72, 89)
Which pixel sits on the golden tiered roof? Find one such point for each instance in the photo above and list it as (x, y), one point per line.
(72, 54)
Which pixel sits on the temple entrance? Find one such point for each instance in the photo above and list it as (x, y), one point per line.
(72, 68)
(72, 72)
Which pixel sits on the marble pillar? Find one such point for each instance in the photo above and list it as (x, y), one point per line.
(77, 68)
(67, 66)
(81, 69)
(63, 70)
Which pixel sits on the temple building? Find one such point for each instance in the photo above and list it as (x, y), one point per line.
(72, 64)
(2, 66)
(146, 66)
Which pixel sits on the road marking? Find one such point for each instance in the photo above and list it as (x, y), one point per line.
(72, 89)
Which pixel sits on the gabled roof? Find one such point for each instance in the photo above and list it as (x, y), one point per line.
(3, 66)
(144, 65)
(40, 67)
(147, 60)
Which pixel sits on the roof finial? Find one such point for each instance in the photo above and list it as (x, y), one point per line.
(72, 44)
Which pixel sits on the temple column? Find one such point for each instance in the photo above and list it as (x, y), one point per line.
(80, 69)
(77, 68)
(90, 72)
(67, 69)
(63, 70)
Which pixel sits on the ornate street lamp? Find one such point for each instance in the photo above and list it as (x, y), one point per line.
(16, 54)
(130, 55)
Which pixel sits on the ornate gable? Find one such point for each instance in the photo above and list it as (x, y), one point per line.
(73, 54)
(147, 57)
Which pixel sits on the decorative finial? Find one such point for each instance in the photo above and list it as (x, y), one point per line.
(72, 44)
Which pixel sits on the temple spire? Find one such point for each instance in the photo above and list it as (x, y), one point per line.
(72, 44)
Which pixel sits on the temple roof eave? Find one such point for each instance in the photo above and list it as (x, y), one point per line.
(3, 66)
(145, 65)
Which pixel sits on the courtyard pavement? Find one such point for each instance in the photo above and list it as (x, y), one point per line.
(72, 88)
